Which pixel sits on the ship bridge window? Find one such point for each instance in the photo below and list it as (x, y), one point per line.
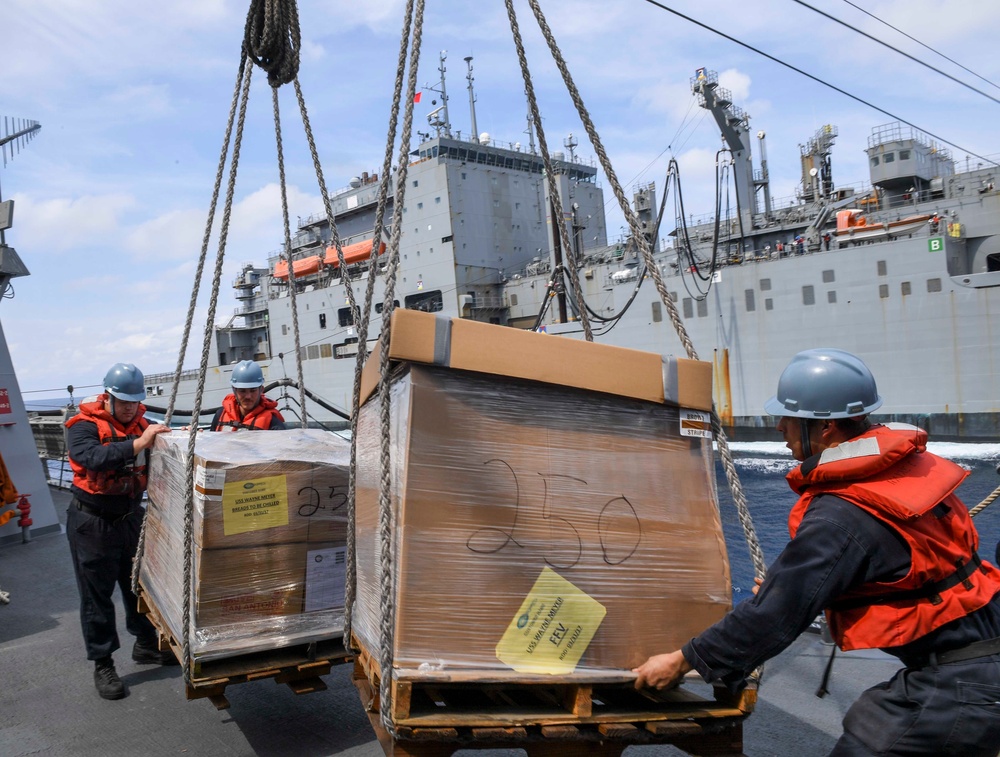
(904, 154)
(875, 161)
(808, 295)
(429, 302)
(889, 157)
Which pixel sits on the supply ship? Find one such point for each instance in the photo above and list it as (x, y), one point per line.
(903, 270)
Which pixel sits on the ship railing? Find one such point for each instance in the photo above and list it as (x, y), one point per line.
(485, 301)
(166, 378)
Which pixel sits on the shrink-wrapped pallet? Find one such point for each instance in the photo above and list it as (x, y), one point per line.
(553, 503)
(268, 545)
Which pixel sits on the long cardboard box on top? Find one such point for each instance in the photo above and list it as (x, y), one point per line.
(461, 344)
(537, 527)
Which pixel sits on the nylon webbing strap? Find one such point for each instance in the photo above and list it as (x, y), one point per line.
(671, 388)
(928, 591)
(442, 341)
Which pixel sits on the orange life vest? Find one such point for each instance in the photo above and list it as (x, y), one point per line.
(888, 473)
(129, 480)
(257, 419)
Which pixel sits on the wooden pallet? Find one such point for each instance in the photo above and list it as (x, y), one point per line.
(436, 714)
(298, 666)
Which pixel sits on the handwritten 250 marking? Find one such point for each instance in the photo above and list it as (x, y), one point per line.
(576, 505)
(335, 500)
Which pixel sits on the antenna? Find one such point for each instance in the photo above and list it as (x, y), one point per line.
(438, 119)
(570, 144)
(472, 100)
(17, 133)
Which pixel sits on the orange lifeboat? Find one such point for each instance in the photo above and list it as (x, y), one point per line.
(302, 267)
(353, 253)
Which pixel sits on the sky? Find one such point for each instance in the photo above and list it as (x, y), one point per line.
(112, 196)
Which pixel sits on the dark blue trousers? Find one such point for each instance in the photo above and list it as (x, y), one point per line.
(102, 552)
(940, 710)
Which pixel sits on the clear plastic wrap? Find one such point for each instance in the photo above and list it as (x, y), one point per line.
(268, 544)
(537, 529)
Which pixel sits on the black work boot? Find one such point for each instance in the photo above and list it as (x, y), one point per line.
(146, 652)
(109, 685)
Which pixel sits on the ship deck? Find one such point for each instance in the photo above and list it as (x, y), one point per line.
(50, 705)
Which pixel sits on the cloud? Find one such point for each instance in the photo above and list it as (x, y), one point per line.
(61, 224)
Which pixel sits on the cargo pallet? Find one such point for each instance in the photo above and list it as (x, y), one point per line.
(436, 714)
(299, 666)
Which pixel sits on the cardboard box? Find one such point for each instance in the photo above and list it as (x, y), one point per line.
(287, 586)
(461, 344)
(251, 490)
(502, 485)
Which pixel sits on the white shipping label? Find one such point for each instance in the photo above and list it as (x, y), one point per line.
(696, 423)
(326, 572)
(210, 478)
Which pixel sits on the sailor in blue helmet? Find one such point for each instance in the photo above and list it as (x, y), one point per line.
(107, 442)
(880, 542)
(247, 407)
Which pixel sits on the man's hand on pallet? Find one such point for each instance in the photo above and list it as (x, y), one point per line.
(662, 671)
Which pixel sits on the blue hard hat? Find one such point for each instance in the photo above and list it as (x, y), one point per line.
(247, 375)
(825, 383)
(125, 382)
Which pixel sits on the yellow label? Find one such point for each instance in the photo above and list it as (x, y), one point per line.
(552, 629)
(254, 505)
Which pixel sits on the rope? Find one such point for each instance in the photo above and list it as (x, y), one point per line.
(288, 257)
(271, 39)
(203, 370)
(739, 498)
(985, 503)
(556, 205)
(351, 578)
(385, 493)
(189, 320)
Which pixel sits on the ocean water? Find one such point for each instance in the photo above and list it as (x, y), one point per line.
(762, 466)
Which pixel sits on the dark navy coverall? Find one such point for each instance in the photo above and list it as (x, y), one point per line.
(103, 546)
(926, 708)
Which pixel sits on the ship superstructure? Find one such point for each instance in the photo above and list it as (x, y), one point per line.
(904, 270)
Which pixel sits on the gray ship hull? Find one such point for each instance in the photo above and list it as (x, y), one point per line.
(918, 300)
